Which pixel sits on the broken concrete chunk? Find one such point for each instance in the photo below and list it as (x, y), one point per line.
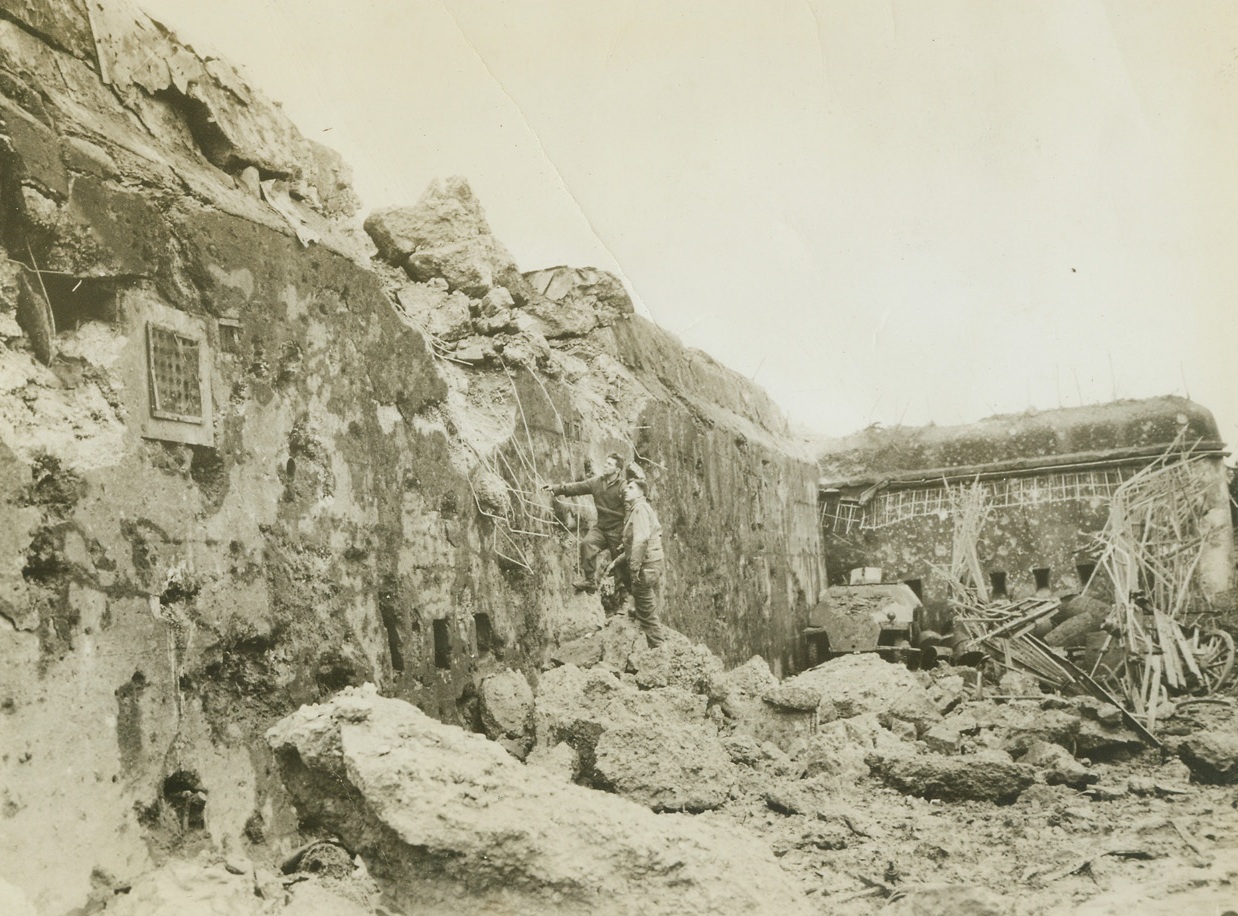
(787, 799)
(985, 776)
(474, 351)
(506, 705)
(584, 652)
(1212, 755)
(854, 684)
(677, 663)
(793, 697)
(946, 690)
(578, 706)
(445, 315)
(497, 323)
(665, 766)
(524, 349)
(1058, 766)
(1097, 739)
(832, 753)
(1019, 684)
(1017, 725)
(751, 679)
(743, 750)
(739, 694)
(622, 638)
(946, 736)
(446, 235)
(556, 320)
(1108, 791)
(560, 761)
(596, 291)
(456, 819)
(332, 178)
(462, 265)
(495, 301)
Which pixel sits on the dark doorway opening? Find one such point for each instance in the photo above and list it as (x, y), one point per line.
(442, 644)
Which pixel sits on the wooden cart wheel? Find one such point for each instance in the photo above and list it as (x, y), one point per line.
(1215, 658)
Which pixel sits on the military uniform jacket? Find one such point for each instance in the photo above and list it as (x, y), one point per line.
(642, 536)
(607, 498)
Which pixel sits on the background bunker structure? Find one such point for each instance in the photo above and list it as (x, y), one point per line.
(1048, 478)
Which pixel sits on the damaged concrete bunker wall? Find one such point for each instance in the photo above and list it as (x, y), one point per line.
(242, 467)
(1048, 477)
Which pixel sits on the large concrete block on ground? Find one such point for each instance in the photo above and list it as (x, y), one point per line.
(678, 663)
(577, 706)
(665, 767)
(838, 752)
(1212, 755)
(616, 646)
(506, 708)
(985, 776)
(463, 828)
(855, 684)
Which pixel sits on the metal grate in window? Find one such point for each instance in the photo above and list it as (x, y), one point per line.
(175, 379)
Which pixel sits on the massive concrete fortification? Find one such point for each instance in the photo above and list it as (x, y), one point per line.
(243, 464)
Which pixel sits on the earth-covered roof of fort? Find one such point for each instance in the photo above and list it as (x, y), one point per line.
(1030, 440)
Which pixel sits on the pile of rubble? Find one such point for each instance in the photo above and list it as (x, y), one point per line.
(824, 785)
(462, 288)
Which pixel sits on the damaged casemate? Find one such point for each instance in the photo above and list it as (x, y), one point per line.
(287, 614)
(1112, 542)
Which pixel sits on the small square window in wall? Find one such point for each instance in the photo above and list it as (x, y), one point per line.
(229, 335)
(175, 374)
(997, 584)
(168, 367)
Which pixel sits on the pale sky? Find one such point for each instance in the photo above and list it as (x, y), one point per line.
(916, 211)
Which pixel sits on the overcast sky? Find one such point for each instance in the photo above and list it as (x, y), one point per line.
(882, 211)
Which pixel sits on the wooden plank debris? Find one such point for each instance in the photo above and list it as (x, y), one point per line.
(1156, 648)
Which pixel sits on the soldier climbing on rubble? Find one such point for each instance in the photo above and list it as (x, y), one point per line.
(642, 552)
(606, 533)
